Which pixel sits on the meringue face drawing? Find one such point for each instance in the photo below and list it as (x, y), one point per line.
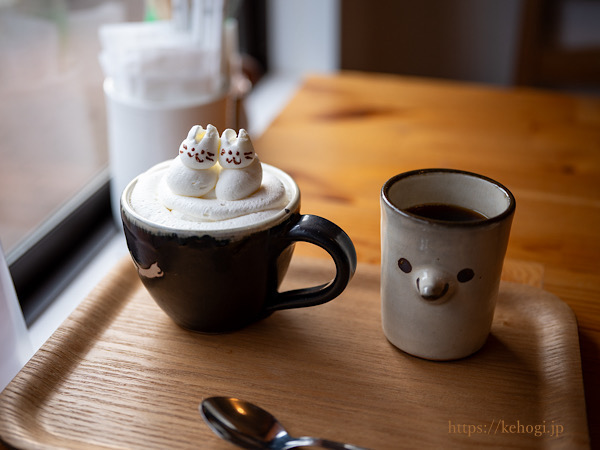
(199, 150)
(194, 172)
(236, 151)
(241, 173)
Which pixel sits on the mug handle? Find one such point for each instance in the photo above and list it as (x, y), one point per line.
(327, 235)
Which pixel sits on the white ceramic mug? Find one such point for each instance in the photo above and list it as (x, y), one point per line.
(144, 133)
(440, 265)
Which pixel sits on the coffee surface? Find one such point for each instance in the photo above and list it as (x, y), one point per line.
(446, 212)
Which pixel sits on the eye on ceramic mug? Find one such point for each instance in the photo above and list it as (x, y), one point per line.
(444, 235)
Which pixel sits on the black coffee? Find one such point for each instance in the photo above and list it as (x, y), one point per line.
(446, 212)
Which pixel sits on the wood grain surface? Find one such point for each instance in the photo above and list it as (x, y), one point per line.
(342, 136)
(119, 374)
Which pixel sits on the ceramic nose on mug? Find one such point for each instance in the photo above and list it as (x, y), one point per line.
(433, 284)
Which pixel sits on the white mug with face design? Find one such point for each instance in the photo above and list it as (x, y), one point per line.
(444, 235)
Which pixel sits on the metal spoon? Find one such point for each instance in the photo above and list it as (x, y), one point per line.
(249, 426)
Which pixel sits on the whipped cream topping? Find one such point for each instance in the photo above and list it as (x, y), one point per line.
(271, 194)
(182, 180)
(212, 183)
(154, 200)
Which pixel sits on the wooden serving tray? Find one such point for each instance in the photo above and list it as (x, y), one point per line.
(119, 374)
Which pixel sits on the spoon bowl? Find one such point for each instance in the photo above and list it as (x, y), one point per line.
(241, 422)
(249, 426)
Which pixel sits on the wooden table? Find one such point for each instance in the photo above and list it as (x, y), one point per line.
(343, 136)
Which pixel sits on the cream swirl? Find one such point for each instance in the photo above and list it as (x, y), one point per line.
(153, 199)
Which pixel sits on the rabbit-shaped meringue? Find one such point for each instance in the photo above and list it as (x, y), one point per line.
(199, 150)
(193, 172)
(241, 173)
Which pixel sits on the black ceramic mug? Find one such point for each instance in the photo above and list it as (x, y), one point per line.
(220, 280)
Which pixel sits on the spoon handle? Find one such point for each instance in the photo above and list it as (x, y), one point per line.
(317, 442)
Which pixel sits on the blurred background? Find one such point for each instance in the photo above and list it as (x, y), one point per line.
(53, 126)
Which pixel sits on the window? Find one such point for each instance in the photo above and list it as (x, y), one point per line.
(54, 181)
(53, 150)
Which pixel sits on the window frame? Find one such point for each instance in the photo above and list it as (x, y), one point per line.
(45, 262)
